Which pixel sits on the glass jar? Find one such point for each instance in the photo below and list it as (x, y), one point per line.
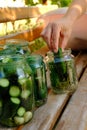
(40, 86)
(62, 72)
(18, 45)
(16, 91)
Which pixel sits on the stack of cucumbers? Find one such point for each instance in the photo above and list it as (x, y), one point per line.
(16, 92)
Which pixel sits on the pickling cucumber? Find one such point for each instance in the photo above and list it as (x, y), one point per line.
(25, 94)
(21, 110)
(58, 58)
(28, 103)
(28, 116)
(6, 59)
(10, 107)
(4, 87)
(8, 122)
(14, 91)
(1, 106)
(15, 100)
(26, 83)
(4, 82)
(19, 120)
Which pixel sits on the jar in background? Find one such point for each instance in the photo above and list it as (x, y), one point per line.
(62, 71)
(16, 91)
(40, 82)
(18, 45)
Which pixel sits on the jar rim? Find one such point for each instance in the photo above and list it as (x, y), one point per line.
(18, 42)
(34, 56)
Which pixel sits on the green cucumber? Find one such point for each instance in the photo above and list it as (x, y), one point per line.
(15, 100)
(61, 64)
(19, 120)
(26, 83)
(4, 82)
(28, 103)
(8, 122)
(1, 106)
(22, 81)
(14, 91)
(6, 59)
(10, 107)
(25, 94)
(21, 110)
(28, 116)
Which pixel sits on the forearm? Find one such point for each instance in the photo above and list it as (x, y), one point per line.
(76, 9)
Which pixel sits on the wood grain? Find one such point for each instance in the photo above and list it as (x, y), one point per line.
(75, 114)
(81, 63)
(17, 13)
(29, 35)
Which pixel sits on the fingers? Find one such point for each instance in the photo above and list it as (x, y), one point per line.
(51, 35)
(64, 40)
(55, 36)
(46, 34)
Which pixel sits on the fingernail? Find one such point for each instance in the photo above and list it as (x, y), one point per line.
(55, 50)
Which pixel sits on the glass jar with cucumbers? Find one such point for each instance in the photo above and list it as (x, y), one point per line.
(62, 71)
(40, 83)
(16, 91)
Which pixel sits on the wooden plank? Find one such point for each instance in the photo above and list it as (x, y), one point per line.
(75, 114)
(29, 35)
(17, 13)
(81, 63)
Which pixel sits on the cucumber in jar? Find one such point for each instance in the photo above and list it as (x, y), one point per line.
(10, 107)
(4, 86)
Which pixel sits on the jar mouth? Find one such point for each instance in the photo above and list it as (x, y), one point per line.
(17, 42)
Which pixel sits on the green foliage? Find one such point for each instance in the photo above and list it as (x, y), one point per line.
(55, 2)
(65, 3)
(61, 3)
(30, 2)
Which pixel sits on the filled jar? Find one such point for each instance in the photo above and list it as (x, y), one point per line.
(62, 71)
(40, 82)
(16, 91)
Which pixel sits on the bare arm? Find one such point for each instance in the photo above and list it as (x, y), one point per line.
(58, 31)
(76, 9)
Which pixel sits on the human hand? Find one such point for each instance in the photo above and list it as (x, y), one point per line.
(57, 33)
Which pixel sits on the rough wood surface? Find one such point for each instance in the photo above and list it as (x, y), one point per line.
(81, 63)
(29, 35)
(17, 13)
(75, 114)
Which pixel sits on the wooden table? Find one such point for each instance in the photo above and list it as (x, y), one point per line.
(63, 111)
